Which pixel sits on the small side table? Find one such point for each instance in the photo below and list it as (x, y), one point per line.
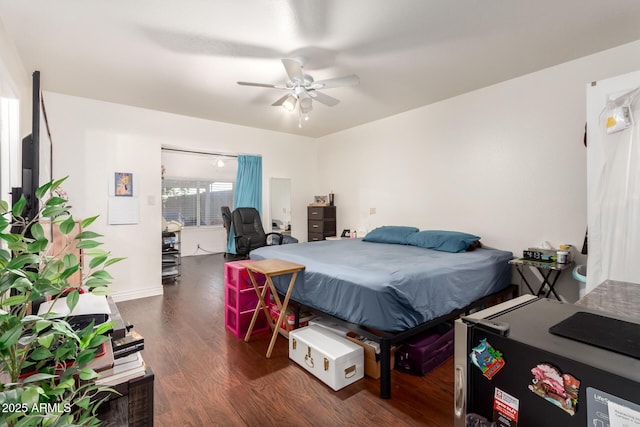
(550, 272)
(271, 268)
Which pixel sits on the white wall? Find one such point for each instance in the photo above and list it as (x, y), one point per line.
(506, 162)
(13, 73)
(93, 139)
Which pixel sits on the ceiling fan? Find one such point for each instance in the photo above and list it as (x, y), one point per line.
(303, 89)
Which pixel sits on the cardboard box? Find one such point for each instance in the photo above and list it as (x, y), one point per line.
(334, 360)
(371, 357)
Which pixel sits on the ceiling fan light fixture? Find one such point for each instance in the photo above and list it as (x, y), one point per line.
(305, 105)
(289, 104)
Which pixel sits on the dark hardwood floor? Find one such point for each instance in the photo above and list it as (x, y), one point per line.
(205, 376)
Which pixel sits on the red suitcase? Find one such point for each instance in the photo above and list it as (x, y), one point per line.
(424, 352)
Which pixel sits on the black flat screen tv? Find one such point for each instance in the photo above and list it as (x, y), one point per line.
(30, 158)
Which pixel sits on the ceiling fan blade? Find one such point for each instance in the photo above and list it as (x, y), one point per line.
(350, 80)
(262, 85)
(294, 69)
(323, 99)
(280, 101)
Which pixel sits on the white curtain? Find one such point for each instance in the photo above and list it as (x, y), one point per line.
(613, 185)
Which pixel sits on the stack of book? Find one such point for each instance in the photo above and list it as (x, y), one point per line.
(127, 360)
(124, 369)
(132, 342)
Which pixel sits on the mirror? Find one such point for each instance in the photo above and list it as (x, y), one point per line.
(281, 205)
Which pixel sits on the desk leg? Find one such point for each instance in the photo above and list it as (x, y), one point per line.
(551, 285)
(519, 269)
(282, 308)
(261, 304)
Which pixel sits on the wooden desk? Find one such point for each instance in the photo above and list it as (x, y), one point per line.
(271, 268)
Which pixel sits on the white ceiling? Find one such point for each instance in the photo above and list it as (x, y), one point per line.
(186, 56)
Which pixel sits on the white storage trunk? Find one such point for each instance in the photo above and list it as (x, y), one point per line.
(334, 360)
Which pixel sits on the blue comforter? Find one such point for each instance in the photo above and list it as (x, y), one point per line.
(385, 286)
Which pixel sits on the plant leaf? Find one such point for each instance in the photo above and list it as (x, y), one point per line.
(96, 283)
(97, 340)
(84, 402)
(101, 291)
(102, 274)
(4, 206)
(46, 340)
(55, 201)
(69, 272)
(37, 231)
(5, 254)
(72, 299)
(104, 327)
(88, 235)
(55, 184)
(88, 221)
(38, 246)
(21, 260)
(51, 211)
(87, 374)
(18, 207)
(70, 260)
(42, 190)
(67, 225)
(96, 252)
(113, 261)
(40, 353)
(38, 377)
(15, 300)
(30, 395)
(22, 284)
(42, 325)
(85, 357)
(97, 261)
(10, 337)
(88, 244)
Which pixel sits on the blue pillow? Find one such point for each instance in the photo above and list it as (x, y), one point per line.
(397, 234)
(447, 241)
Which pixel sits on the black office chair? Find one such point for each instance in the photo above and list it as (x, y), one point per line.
(249, 233)
(226, 221)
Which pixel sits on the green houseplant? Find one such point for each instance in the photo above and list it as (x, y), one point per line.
(43, 360)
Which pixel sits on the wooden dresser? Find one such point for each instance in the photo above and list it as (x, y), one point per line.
(321, 222)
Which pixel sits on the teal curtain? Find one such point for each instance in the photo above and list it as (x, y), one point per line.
(248, 191)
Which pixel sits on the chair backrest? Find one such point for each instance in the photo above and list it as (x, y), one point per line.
(247, 224)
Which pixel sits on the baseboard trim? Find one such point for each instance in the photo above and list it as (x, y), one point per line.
(138, 293)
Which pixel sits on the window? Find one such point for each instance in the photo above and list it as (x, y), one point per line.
(196, 201)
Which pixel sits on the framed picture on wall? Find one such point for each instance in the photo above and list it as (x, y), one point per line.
(124, 184)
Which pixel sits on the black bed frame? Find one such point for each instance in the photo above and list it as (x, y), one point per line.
(388, 339)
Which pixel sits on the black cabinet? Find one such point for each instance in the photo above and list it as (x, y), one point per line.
(321, 222)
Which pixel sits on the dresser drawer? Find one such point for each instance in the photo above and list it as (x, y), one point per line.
(316, 226)
(315, 212)
(315, 237)
(321, 222)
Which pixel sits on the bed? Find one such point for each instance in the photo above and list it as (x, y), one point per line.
(390, 292)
